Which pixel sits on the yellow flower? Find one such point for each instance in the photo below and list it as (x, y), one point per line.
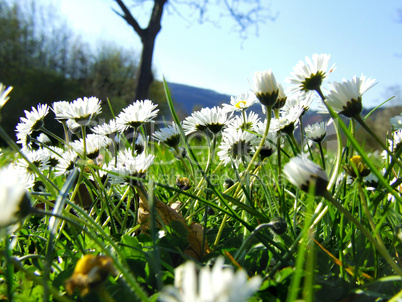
(356, 163)
(89, 272)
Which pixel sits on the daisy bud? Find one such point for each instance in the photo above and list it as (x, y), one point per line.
(182, 153)
(278, 225)
(266, 88)
(228, 183)
(303, 173)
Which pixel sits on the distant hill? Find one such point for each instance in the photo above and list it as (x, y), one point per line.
(190, 98)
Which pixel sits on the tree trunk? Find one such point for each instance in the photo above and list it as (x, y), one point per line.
(148, 37)
(145, 76)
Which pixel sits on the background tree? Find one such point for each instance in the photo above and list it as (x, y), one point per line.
(45, 61)
(245, 14)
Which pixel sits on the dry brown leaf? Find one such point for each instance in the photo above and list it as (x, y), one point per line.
(165, 215)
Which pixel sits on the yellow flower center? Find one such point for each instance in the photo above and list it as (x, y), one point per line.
(240, 104)
(356, 160)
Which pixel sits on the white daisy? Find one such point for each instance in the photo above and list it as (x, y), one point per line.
(245, 121)
(39, 158)
(240, 102)
(396, 121)
(43, 139)
(215, 118)
(266, 87)
(32, 121)
(26, 143)
(299, 99)
(55, 155)
(59, 108)
(94, 143)
(73, 126)
(106, 129)
(220, 283)
(309, 75)
(302, 172)
(82, 111)
(316, 132)
(169, 135)
(4, 91)
(129, 166)
(346, 97)
(287, 121)
(236, 146)
(194, 123)
(66, 163)
(13, 196)
(136, 114)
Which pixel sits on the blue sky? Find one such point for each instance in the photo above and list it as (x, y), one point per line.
(361, 36)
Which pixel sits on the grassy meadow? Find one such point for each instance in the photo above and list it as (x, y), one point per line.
(224, 205)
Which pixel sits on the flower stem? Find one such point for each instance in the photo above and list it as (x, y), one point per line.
(84, 140)
(257, 152)
(294, 142)
(322, 155)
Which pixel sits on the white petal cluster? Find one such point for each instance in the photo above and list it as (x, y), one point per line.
(136, 114)
(93, 144)
(266, 88)
(4, 91)
(40, 158)
(245, 121)
(241, 102)
(345, 95)
(215, 119)
(32, 121)
(12, 192)
(299, 99)
(169, 135)
(106, 129)
(66, 163)
(79, 110)
(311, 69)
(265, 82)
(219, 284)
(287, 119)
(59, 108)
(236, 146)
(301, 171)
(396, 121)
(316, 132)
(129, 165)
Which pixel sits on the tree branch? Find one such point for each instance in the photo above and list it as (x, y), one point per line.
(129, 18)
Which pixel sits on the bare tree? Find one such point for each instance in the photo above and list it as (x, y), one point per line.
(245, 13)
